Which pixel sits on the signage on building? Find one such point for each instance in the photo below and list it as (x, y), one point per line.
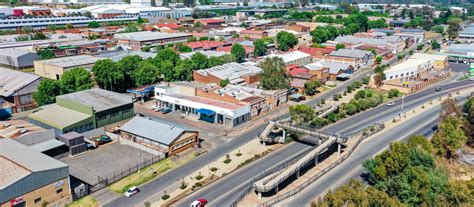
(59, 184)
(16, 201)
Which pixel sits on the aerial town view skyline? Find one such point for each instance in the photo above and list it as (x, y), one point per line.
(236, 103)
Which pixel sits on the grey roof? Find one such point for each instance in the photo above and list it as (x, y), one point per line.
(116, 55)
(47, 145)
(155, 130)
(461, 48)
(208, 54)
(357, 40)
(468, 31)
(15, 52)
(12, 81)
(334, 67)
(71, 135)
(99, 99)
(350, 53)
(26, 157)
(231, 71)
(34, 138)
(71, 61)
(149, 36)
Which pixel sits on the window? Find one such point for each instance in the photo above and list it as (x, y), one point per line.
(58, 191)
(38, 200)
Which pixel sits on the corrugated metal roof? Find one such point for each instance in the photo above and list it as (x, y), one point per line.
(161, 132)
(99, 99)
(12, 81)
(149, 36)
(350, 53)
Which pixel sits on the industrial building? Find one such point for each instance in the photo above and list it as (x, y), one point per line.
(17, 59)
(235, 73)
(30, 178)
(55, 68)
(84, 111)
(138, 40)
(16, 91)
(157, 135)
(293, 58)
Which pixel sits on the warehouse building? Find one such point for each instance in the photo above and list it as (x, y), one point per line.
(84, 111)
(295, 57)
(55, 68)
(235, 73)
(17, 59)
(138, 40)
(30, 178)
(16, 91)
(157, 135)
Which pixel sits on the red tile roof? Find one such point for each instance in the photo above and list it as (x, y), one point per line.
(210, 21)
(248, 49)
(295, 71)
(315, 51)
(169, 25)
(205, 44)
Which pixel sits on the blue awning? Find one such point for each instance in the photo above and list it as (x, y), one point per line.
(296, 96)
(206, 112)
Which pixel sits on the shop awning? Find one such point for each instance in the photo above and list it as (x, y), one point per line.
(343, 76)
(206, 112)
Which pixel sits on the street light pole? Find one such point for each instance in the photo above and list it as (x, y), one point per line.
(401, 109)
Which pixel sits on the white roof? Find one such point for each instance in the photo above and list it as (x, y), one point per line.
(410, 63)
(231, 70)
(11, 81)
(437, 57)
(291, 56)
(148, 36)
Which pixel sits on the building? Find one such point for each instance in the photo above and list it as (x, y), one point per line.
(16, 91)
(138, 40)
(254, 34)
(43, 22)
(235, 73)
(206, 45)
(157, 135)
(210, 23)
(467, 35)
(84, 110)
(410, 69)
(461, 53)
(440, 61)
(117, 55)
(30, 178)
(297, 28)
(55, 68)
(17, 59)
(363, 57)
(183, 99)
(293, 58)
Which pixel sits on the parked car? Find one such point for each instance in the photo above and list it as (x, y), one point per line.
(157, 109)
(166, 110)
(390, 104)
(132, 191)
(199, 203)
(437, 89)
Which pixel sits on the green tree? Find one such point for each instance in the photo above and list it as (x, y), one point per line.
(238, 51)
(199, 61)
(76, 79)
(286, 40)
(27, 29)
(45, 54)
(379, 59)
(93, 24)
(435, 45)
(108, 75)
(450, 137)
(69, 26)
(311, 86)
(166, 54)
(260, 48)
(273, 74)
(51, 27)
(438, 29)
(454, 25)
(392, 93)
(301, 113)
(340, 46)
(183, 48)
(223, 83)
(146, 73)
(183, 71)
(47, 91)
(350, 108)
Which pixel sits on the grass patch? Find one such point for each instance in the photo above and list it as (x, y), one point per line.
(145, 175)
(87, 201)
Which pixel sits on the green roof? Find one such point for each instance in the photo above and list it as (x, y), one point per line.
(59, 117)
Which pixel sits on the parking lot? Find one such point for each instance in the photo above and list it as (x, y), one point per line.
(106, 161)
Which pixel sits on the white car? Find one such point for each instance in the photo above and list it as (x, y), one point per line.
(390, 104)
(132, 191)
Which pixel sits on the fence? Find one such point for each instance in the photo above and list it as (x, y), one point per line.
(102, 182)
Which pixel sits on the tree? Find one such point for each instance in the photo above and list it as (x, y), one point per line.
(435, 45)
(69, 26)
(392, 93)
(238, 52)
(449, 138)
(273, 75)
(108, 75)
(260, 48)
(379, 59)
(166, 54)
(47, 91)
(183, 48)
(340, 46)
(199, 61)
(311, 86)
(224, 82)
(146, 73)
(51, 27)
(93, 24)
(45, 54)
(453, 27)
(183, 71)
(27, 29)
(76, 79)
(438, 29)
(286, 40)
(301, 113)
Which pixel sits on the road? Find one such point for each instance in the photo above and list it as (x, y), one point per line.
(158, 185)
(236, 183)
(351, 168)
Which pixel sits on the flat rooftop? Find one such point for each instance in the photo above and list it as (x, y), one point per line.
(58, 117)
(99, 99)
(71, 61)
(291, 56)
(231, 71)
(208, 101)
(149, 36)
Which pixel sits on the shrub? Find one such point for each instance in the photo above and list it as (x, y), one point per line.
(199, 177)
(165, 196)
(238, 154)
(213, 169)
(392, 93)
(227, 159)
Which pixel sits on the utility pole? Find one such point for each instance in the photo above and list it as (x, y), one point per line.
(401, 109)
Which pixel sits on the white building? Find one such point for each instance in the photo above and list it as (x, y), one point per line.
(294, 57)
(179, 98)
(410, 68)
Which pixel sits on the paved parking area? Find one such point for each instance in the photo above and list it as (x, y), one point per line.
(106, 161)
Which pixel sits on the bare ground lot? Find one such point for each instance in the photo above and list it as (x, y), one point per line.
(105, 161)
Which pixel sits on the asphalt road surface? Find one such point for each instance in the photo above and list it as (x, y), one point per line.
(223, 192)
